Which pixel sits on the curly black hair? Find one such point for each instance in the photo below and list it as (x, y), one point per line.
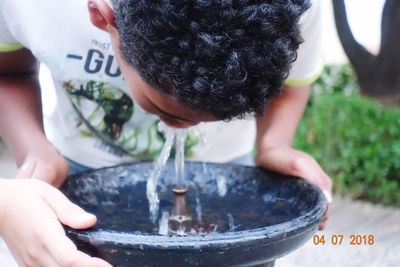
(227, 57)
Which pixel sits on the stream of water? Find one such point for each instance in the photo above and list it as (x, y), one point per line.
(171, 222)
(159, 164)
(172, 136)
(180, 138)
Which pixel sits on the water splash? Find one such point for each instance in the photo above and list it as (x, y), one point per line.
(199, 210)
(221, 185)
(180, 138)
(163, 228)
(159, 164)
(205, 168)
(231, 223)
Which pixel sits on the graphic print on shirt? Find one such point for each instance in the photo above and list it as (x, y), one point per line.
(107, 113)
(103, 110)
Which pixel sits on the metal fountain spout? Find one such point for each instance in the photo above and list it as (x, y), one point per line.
(180, 220)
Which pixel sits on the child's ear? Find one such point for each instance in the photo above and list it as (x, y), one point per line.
(101, 14)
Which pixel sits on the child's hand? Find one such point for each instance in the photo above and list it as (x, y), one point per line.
(297, 163)
(43, 162)
(30, 216)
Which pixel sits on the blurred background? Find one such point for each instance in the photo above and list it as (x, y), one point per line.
(352, 127)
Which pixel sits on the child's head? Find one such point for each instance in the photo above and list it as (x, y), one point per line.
(224, 57)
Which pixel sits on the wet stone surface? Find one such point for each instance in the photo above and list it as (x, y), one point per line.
(241, 215)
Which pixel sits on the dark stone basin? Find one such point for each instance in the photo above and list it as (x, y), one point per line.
(261, 217)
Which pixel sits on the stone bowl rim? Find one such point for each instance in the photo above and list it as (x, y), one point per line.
(243, 238)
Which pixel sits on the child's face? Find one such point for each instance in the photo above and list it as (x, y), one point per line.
(149, 98)
(155, 101)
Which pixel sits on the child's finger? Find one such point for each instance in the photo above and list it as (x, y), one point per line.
(88, 261)
(66, 254)
(326, 217)
(26, 170)
(64, 251)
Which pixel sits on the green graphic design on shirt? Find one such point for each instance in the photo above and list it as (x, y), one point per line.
(103, 111)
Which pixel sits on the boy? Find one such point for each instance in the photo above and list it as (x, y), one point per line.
(185, 62)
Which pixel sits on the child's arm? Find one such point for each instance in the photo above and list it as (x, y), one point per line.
(21, 125)
(30, 211)
(275, 133)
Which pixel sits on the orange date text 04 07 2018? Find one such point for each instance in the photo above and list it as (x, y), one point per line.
(339, 240)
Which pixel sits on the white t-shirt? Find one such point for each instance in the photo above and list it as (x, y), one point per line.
(93, 119)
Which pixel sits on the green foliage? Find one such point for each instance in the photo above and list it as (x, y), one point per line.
(336, 79)
(356, 140)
